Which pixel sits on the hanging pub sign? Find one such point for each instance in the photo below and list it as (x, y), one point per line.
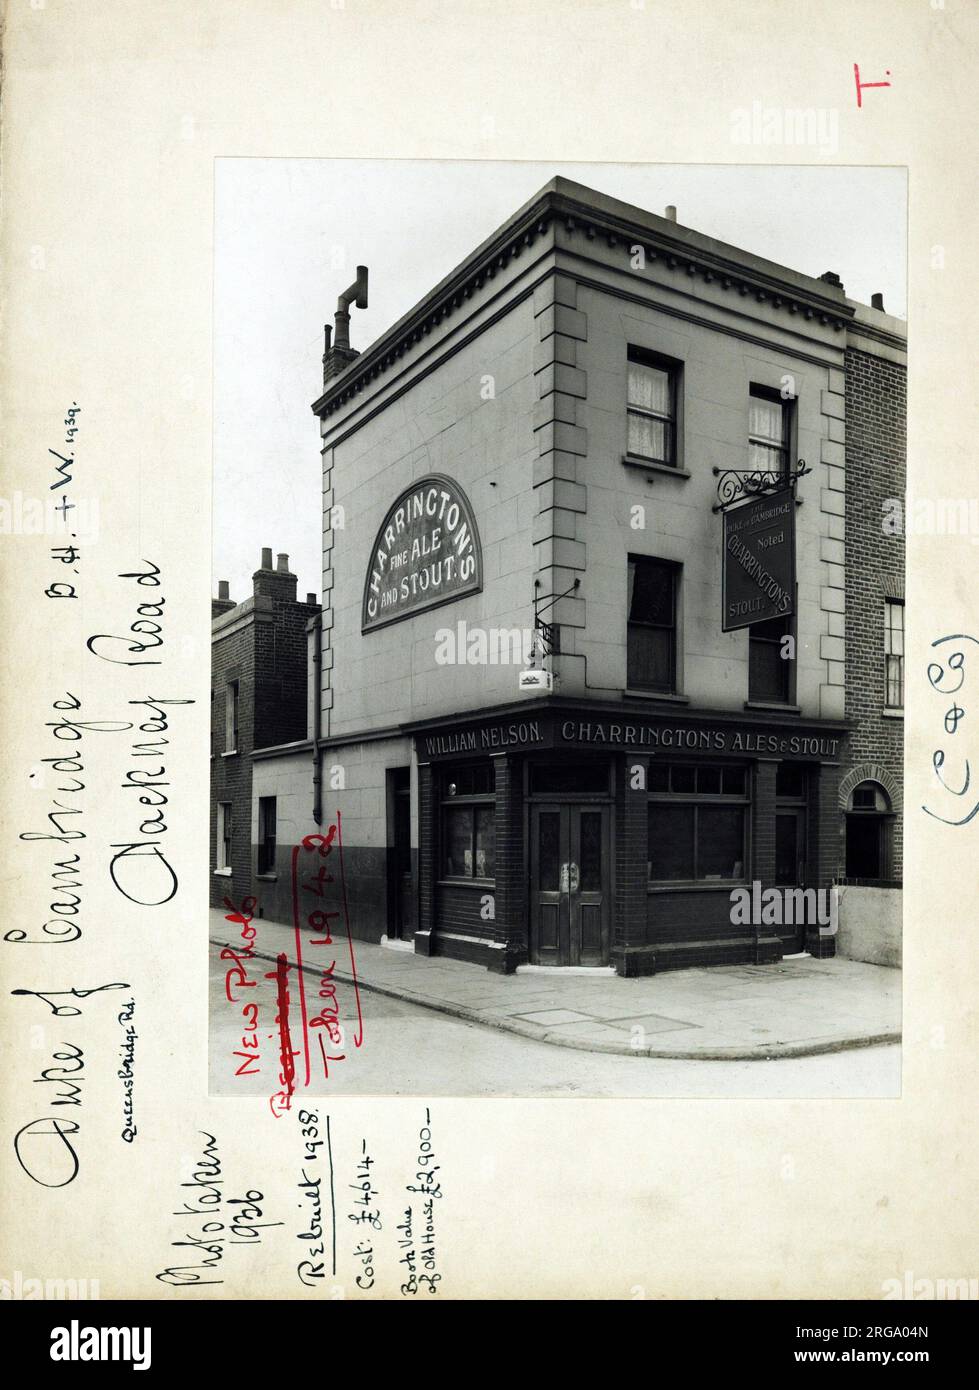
(758, 578)
(426, 552)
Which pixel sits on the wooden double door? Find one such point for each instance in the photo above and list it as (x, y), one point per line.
(570, 884)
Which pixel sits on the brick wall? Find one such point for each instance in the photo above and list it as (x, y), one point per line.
(876, 400)
(262, 645)
(232, 658)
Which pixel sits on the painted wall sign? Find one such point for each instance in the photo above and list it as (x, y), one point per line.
(758, 580)
(547, 731)
(681, 740)
(426, 553)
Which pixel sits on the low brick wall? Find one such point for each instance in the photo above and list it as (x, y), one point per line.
(869, 924)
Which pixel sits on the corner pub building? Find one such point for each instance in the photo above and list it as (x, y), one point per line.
(543, 436)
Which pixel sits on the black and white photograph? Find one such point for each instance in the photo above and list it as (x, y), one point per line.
(557, 663)
(488, 539)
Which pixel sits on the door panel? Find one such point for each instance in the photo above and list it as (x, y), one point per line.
(790, 869)
(548, 879)
(569, 885)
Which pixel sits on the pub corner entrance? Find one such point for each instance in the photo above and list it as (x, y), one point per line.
(569, 884)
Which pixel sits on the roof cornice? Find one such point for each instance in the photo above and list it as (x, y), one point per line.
(450, 294)
(683, 251)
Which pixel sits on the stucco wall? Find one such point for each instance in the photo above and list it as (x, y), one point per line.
(869, 924)
(442, 424)
(676, 521)
(354, 783)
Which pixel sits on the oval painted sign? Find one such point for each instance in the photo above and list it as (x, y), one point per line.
(426, 553)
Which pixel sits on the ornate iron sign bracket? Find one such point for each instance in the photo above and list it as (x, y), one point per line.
(546, 630)
(739, 484)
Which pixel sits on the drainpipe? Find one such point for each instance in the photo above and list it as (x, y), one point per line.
(317, 700)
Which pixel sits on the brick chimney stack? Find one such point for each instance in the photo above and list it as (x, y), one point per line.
(223, 602)
(278, 583)
(338, 354)
(335, 359)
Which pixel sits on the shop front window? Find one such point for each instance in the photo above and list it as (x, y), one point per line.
(468, 823)
(697, 824)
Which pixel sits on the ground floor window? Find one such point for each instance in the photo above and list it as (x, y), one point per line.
(225, 825)
(468, 808)
(266, 834)
(697, 823)
(868, 832)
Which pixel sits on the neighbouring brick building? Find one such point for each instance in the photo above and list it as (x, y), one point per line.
(526, 474)
(259, 696)
(871, 791)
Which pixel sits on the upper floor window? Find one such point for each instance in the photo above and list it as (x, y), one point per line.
(231, 717)
(769, 671)
(652, 408)
(894, 653)
(651, 648)
(769, 423)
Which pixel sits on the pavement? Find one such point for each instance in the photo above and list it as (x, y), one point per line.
(798, 1008)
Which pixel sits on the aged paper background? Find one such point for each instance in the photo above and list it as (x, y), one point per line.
(113, 115)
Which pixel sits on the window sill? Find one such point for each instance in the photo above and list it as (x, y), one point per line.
(652, 466)
(701, 886)
(222, 873)
(773, 706)
(231, 753)
(658, 695)
(892, 714)
(268, 878)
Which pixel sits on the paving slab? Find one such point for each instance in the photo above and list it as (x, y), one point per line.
(797, 1007)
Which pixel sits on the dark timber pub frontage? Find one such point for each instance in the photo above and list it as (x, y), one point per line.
(591, 616)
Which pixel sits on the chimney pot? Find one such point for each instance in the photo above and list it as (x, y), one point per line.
(223, 591)
(310, 598)
(877, 301)
(282, 564)
(266, 557)
(671, 212)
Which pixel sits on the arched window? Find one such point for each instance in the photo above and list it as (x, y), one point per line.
(868, 832)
